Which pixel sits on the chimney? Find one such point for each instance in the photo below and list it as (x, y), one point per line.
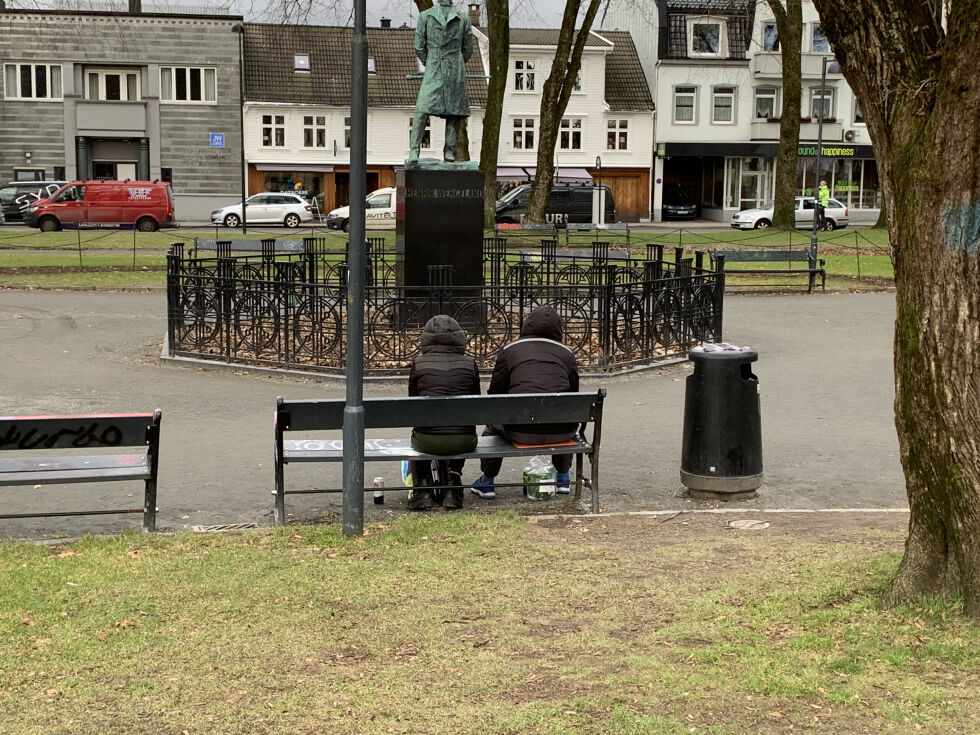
(474, 9)
(135, 7)
(385, 22)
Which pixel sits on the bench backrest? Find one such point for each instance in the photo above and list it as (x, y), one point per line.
(384, 413)
(24, 433)
(763, 256)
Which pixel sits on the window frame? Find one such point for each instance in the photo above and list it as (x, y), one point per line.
(570, 132)
(759, 94)
(523, 129)
(276, 123)
(685, 90)
(524, 76)
(705, 20)
(766, 26)
(49, 81)
(856, 114)
(823, 93)
(426, 137)
(347, 134)
(317, 130)
(619, 128)
(102, 72)
(816, 31)
(722, 91)
(168, 92)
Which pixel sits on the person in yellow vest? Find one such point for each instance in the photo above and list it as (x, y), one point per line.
(823, 199)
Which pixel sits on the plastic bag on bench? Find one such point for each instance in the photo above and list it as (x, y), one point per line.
(540, 477)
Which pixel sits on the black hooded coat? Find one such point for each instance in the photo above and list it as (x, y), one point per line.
(443, 368)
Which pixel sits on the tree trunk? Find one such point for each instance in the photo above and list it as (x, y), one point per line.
(789, 25)
(554, 100)
(921, 85)
(498, 33)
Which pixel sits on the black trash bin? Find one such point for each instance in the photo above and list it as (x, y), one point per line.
(722, 451)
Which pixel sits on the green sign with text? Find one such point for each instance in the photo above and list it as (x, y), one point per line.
(840, 151)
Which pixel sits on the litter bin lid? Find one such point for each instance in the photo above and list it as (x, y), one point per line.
(723, 351)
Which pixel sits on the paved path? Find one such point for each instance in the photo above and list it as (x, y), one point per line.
(825, 371)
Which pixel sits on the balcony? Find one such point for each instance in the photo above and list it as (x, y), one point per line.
(768, 129)
(111, 118)
(769, 65)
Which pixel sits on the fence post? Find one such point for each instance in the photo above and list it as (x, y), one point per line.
(174, 307)
(718, 297)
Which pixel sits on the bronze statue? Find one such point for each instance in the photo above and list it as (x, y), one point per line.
(444, 43)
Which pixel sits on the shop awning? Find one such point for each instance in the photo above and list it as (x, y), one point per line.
(511, 173)
(297, 167)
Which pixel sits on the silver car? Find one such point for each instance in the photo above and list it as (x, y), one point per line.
(268, 209)
(761, 218)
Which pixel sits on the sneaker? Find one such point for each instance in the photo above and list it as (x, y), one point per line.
(564, 482)
(483, 486)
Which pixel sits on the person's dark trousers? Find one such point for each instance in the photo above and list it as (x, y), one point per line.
(490, 466)
(821, 215)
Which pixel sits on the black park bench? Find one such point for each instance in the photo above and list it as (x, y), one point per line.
(814, 267)
(117, 446)
(313, 417)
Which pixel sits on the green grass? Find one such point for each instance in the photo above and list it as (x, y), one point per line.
(475, 624)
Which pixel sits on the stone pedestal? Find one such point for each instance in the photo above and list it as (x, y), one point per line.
(439, 222)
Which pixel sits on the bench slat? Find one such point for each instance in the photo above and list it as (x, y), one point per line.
(396, 450)
(763, 256)
(57, 477)
(389, 413)
(24, 433)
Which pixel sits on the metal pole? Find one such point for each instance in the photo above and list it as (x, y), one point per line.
(240, 30)
(353, 500)
(816, 171)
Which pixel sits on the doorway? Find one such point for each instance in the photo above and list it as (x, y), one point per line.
(112, 171)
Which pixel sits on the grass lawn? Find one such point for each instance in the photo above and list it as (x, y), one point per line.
(472, 623)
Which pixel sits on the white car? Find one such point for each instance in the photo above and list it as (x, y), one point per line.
(379, 212)
(761, 218)
(266, 209)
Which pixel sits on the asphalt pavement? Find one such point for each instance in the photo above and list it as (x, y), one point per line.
(824, 368)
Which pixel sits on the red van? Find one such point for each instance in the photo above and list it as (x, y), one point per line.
(145, 205)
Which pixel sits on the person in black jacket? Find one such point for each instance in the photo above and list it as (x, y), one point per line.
(443, 369)
(537, 362)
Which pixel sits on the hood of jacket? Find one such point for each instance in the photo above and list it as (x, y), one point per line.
(542, 322)
(443, 334)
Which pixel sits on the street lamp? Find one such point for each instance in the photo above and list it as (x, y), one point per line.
(239, 28)
(833, 68)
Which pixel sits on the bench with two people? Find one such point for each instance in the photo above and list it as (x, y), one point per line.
(533, 407)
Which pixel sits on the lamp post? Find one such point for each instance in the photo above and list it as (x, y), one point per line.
(239, 28)
(834, 69)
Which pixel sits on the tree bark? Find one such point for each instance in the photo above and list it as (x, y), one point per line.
(498, 33)
(919, 83)
(789, 25)
(554, 100)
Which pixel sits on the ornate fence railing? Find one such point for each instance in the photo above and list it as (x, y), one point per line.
(289, 310)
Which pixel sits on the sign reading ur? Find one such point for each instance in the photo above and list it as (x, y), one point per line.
(217, 140)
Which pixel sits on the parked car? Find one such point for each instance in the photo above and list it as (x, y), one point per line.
(761, 218)
(379, 212)
(17, 196)
(676, 204)
(566, 203)
(270, 208)
(145, 205)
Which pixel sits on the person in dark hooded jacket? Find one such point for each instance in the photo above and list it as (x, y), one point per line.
(537, 362)
(443, 369)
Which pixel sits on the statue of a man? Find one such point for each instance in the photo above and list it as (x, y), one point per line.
(444, 43)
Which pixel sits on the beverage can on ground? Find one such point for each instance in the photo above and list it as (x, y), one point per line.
(379, 496)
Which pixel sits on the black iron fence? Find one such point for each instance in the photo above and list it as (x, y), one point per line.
(289, 309)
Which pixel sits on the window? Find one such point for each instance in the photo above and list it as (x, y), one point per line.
(117, 85)
(858, 114)
(314, 131)
(570, 134)
(770, 36)
(617, 135)
(684, 104)
(821, 103)
(301, 62)
(167, 174)
(195, 85)
(765, 102)
(274, 131)
(819, 44)
(723, 105)
(577, 84)
(523, 75)
(524, 134)
(426, 136)
(32, 81)
(346, 132)
(707, 37)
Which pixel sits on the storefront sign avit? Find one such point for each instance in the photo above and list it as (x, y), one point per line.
(839, 151)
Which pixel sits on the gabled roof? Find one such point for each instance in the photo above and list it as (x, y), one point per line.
(718, 7)
(626, 84)
(547, 37)
(269, 74)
